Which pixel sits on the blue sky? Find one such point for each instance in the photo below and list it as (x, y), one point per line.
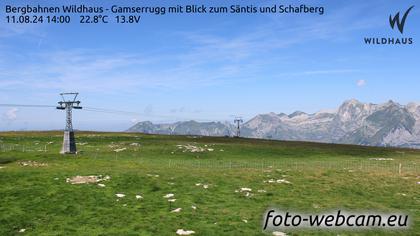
(206, 67)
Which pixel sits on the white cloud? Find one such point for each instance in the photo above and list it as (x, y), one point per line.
(180, 110)
(361, 83)
(209, 60)
(11, 114)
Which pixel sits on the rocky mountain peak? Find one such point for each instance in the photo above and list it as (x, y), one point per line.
(352, 102)
(414, 108)
(352, 113)
(297, 113)
(391, 103)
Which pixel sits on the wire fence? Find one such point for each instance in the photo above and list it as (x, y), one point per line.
(24, 147)
(376, 165)
(366, 165)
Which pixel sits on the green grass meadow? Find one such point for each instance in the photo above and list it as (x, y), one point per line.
(323, 178)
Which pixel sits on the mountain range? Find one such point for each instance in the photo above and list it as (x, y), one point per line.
(354, 122)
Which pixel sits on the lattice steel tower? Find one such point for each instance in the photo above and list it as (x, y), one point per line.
(238, 121)
(69, 103)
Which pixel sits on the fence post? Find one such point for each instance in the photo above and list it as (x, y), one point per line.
(399, 168)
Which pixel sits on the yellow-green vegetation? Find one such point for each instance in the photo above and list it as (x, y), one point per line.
(204, 174)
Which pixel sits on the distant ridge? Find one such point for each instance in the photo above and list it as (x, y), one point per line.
(354, 122)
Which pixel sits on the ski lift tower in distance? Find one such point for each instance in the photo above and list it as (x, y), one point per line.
(238, 121)
(69, 103)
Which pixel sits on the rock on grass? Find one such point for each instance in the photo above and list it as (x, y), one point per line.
(184, 232)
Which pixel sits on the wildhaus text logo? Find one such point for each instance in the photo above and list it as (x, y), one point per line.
(396, 22)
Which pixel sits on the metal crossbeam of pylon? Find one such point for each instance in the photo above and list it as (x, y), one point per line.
(69, 103)
(238, 121)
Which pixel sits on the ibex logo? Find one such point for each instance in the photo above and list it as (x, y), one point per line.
(386, 40)
(396, 19)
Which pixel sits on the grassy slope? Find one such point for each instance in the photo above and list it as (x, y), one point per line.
(324, 177)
